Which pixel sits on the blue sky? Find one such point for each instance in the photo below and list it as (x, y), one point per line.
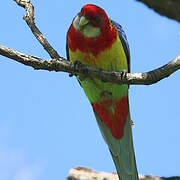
(46, 122)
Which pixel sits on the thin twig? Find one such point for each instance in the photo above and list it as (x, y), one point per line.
(62, 65)
(29, 18)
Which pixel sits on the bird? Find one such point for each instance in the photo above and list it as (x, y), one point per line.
(97, 41)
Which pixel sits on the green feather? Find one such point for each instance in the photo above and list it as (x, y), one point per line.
(121, 150)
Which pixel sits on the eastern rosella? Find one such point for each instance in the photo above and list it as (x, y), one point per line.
(96, 40)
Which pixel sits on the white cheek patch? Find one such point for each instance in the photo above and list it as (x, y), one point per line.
(76, 23)
(90, 31)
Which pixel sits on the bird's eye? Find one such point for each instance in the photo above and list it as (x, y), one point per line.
(96, 21)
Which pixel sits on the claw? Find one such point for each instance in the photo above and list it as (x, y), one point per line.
(123, 73)
(76, 65)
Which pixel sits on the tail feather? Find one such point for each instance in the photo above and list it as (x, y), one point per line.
(123, 175)
(122, 150)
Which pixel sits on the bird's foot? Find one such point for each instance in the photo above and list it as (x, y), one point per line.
(75, 67)
(123, 73)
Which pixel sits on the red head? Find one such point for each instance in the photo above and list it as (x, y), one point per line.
(96, 15)
(90, 30)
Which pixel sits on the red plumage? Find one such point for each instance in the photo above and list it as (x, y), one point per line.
(115, 121)
(108, 34)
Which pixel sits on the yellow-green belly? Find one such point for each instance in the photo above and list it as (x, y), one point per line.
(113, 59)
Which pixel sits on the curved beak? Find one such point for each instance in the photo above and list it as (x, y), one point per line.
(83, 21)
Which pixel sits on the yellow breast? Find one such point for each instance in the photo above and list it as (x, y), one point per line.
(113, 58)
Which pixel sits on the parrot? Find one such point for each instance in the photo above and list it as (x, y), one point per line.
(97, 41)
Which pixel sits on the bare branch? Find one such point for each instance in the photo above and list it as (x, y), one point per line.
(58, 63)
(84, 71)
(36, 62)
(81, 173)
(29, 18)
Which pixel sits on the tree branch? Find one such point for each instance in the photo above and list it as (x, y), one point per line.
(85, 71)
(58, 63)
(29, 18)
(81, 173)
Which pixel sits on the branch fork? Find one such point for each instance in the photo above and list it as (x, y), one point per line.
(60, 64)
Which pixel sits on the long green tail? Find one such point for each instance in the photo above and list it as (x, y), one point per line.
(122, 150)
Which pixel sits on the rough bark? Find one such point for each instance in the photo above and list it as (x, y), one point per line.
(168, 8)
(85, 71)
(58, 63)
(30, 20)
(81, 173)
